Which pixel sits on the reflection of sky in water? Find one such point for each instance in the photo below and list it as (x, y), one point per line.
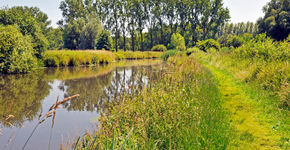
(77, 115)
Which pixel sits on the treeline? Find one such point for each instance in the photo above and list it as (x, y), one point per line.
(196, 20)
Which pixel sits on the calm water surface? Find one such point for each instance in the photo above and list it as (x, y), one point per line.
(25, 97)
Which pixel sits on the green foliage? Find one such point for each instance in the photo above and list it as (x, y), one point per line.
(90, 33)
(72, 34)
(30, 22)
(55, 38)
(262, 61)
(104, 41)
(179, 110)
(82, 33)
(170, 53)
(276, 22)
(192, 50)
(263, 47)
(77, 58)
(235, 41)
(137, 55)
(207, 44)
(177, 42)
(16, 51)
(160, 48)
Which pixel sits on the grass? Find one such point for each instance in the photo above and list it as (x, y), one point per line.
(181, 109)
(258, 116)
(54, 58)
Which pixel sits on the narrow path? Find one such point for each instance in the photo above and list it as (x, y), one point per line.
(250, 131)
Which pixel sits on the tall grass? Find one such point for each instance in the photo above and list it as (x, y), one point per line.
(260, 60)
(137, 55)
(181, 109)
(78, 58)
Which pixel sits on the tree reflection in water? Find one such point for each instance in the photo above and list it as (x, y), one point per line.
(29, 95)
(21, 95)
(98, 92)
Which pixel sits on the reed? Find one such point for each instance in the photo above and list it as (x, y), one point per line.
(55, 58)
(179, 109)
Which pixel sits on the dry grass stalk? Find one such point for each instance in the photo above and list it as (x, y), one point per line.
(51, 111)
(54, 106)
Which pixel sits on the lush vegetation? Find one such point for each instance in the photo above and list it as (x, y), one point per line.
(160, 48)
(181, 110)
(276, 20)
(77, 58)
(261, 60)
(16, 51)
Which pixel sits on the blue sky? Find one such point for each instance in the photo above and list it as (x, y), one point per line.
(240, 10)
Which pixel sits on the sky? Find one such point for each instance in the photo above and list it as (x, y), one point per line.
(240, 10)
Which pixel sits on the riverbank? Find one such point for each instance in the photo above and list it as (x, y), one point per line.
(91, 57)
(181, 109)
(201, 102)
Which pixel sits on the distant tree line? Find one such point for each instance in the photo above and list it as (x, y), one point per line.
(195, 20)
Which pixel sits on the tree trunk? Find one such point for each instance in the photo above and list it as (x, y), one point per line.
(161, 31)
(151, 39)
(142, 44)
(133, 41)
(124, 38)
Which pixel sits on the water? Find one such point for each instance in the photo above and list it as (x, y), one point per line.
(24, 97)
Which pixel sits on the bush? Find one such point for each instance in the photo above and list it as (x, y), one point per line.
(263, 47)
(170, 53)
(178, 42)
(235, 41)
(16, 51)
(160, 48)
(28, 24)
(206, 44)
(192, 50)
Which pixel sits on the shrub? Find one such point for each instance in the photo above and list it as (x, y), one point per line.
(178, 42)
(235, 41)
(192, 50)
(170, 53)
(206, 44)
(263, 47)
(160, 48)
(29, 23)
(16, 51)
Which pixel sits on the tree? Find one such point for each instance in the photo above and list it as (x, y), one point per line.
(276, 21)
(213, 16)
(72, 34)
(104, 41)
(55, 38)
(16, 51)
(72, 9)
(178, 42)
(90, 33)
(29, 23)
(141, 13)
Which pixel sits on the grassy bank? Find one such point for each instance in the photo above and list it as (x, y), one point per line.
(254, 81)
(78, 58)
(180, 110)
(259, 113)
